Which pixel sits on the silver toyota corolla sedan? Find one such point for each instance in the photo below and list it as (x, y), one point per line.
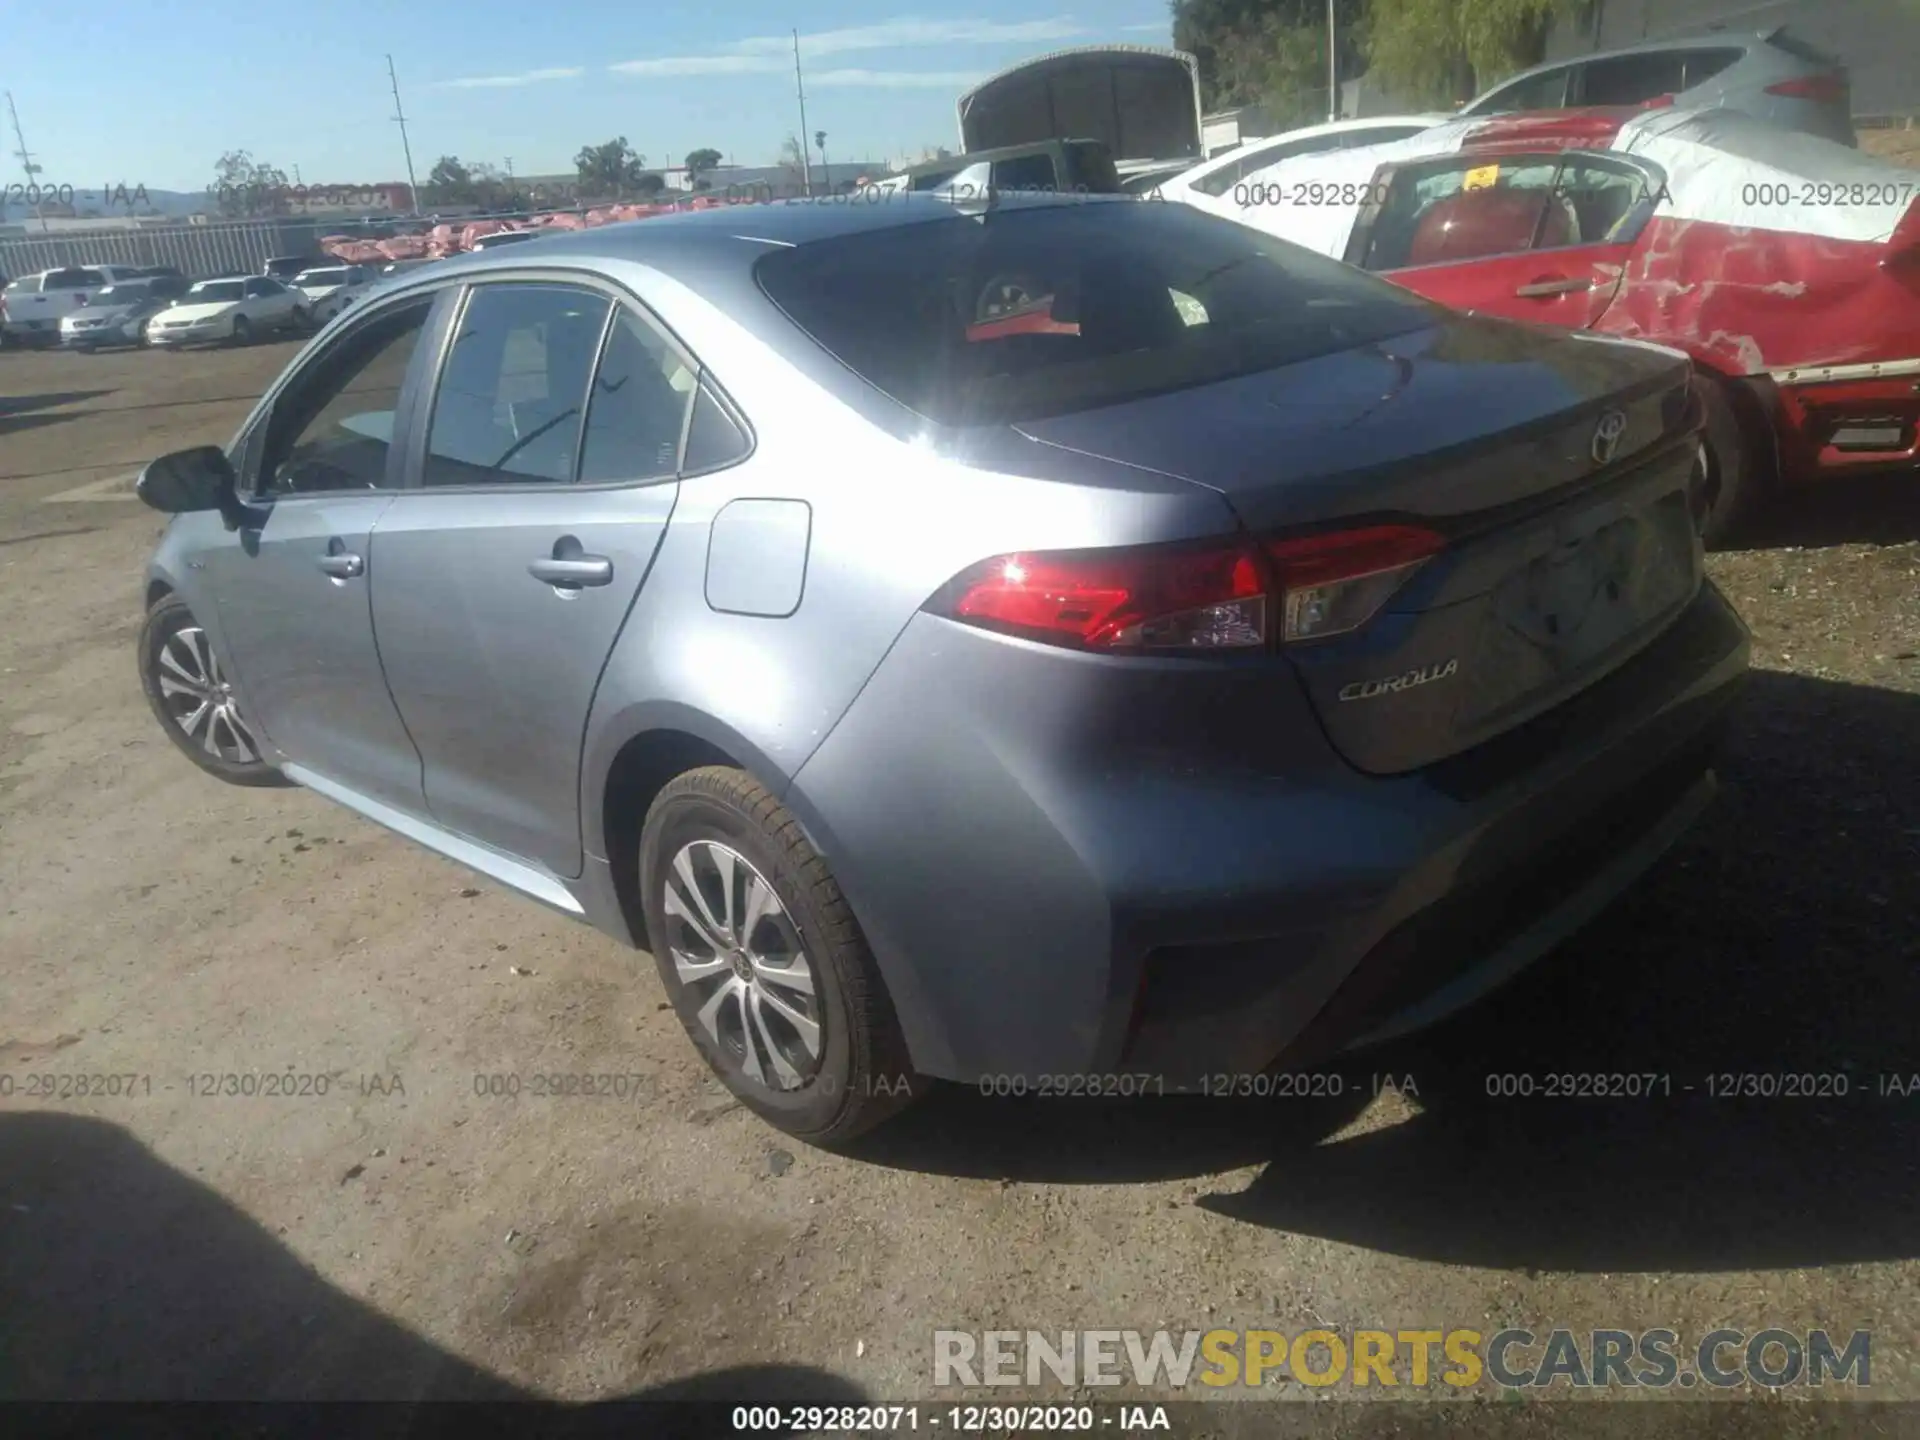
(1085, 642)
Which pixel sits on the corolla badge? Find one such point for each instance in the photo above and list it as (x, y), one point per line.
(1394, 684)
(1606, 437)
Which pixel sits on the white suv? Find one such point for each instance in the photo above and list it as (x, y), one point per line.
(32, 307)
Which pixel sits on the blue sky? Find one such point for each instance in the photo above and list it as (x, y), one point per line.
(153, 94)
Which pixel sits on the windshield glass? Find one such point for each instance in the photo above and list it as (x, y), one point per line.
(125, 293)
(321, 277)
(1032, 312)
(210, 292)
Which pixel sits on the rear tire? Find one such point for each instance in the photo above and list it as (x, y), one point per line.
(759, 952)
(190, 697)
(1735, 460)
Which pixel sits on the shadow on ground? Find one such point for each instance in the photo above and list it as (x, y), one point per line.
(1780, 938)
(24, 412)
(1879, 510)
(122, 1279)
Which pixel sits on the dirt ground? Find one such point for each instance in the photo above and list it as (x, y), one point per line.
(403, 1235)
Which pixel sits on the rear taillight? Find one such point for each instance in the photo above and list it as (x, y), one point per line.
(1193, 599)
(1332, 584)
(1152, 598)
(1826, 89)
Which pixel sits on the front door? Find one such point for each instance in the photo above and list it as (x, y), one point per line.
(294, 591)
(1541, 237)
(509, 564)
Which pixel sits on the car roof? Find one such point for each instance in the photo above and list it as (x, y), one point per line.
(1744, 41)
(691, 239)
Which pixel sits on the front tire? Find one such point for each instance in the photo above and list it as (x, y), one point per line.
(193, 700)
(242, 331)
(764, 961)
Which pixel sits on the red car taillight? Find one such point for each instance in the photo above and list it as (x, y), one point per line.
(1335, 583)
(1222, 596)
(1826, 89)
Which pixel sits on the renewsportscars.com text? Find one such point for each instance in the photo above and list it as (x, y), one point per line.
(1772, 1358)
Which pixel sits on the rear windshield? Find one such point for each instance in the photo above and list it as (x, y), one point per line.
(1036, 311)
(74, 279)
(25, 285)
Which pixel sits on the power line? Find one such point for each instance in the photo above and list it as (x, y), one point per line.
(400, 119)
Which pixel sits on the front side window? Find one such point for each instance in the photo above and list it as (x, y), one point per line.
(513, 391)
(332, 427)
(1034, 311)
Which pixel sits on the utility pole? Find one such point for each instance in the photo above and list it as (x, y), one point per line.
(1333, 66)
(26, 161)
(800, 87)
(400, 119)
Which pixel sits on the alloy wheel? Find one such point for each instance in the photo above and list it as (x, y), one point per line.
(200, 699)
(736, 951)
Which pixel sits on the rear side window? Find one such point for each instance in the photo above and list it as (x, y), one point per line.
(1634, 79)
(1546, 91)
(639, 407)
(1028, 172)
(1703, 65)
(72, 279)
(1032, 311)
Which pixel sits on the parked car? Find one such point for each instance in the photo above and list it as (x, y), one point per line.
(504, 237)
(119, 314)
(1771, 76)
(1210, 184)
(330, 289)
(1143, 689)
(1046, 167)
(32, 307)
(284, 267)
(234, 310)
(1785, 265)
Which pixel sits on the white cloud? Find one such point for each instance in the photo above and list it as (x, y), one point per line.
(701, 65)
(764, 54)
(893, 79)
(499, 82)
(1160, 27)
(907, 34)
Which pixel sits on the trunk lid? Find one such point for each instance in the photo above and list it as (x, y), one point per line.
(1557, 468)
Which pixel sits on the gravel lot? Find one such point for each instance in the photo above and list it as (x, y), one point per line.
(403, 1236)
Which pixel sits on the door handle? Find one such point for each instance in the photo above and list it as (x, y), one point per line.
(574, 571)
(342, 566)
(1552, 285)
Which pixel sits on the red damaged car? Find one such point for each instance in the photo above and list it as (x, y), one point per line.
(1787, 266)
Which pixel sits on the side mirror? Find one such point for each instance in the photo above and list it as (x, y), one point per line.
(192, 481)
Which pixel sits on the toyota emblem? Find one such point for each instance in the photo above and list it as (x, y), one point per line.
(1606, 437)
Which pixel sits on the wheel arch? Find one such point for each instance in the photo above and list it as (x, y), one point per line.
(631, 762)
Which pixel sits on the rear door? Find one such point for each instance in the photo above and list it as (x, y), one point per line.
(542, 478)
(1541, 237)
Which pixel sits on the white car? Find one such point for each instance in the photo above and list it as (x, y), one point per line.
(32, 307)
(235, 309)
(329, 289)
(1210, 184)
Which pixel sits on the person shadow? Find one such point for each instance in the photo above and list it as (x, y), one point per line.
(124, 1280)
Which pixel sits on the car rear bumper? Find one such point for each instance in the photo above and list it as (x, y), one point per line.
(1845, 420)
(1068, 865)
